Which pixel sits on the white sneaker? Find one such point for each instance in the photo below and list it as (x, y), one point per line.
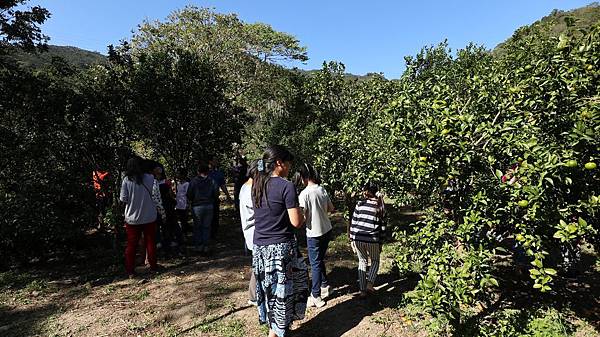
(254, 303)
(325, 292)
(315, 302)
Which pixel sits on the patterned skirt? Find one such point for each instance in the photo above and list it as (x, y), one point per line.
(281, 284)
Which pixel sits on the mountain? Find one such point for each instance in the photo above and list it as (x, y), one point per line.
(556, 23)
(347, 76)
(76, 57)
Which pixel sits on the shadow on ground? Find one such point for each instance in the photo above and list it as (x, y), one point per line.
(349, 313)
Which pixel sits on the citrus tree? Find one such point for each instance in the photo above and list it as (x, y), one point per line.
(500, 152)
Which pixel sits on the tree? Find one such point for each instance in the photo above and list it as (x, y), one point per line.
(492, 148)
(21, 27)
(179, 107)
(247, 56)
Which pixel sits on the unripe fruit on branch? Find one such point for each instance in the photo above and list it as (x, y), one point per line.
(571, 163)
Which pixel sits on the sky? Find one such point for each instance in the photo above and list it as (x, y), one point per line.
(367, 36)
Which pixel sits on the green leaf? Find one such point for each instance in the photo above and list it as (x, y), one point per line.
(537, 263)
(550, 271)
(499, 174)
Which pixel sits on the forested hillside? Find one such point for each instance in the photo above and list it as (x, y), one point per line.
(76, 57)
(556, 23)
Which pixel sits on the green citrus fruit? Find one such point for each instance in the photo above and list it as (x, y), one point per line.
(571, 163)
(520, 237)
(523, 203)
(590, 165)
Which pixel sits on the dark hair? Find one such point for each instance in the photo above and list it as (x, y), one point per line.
(269, 159)
(372, 188)
(203, 167)
(241, 160)
(182, 173)
(307, 171)
(134, 170)
(163, 172)
(297, 181)
(150, 165)
(252, 169)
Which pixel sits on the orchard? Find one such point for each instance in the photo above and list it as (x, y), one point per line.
(496, 151)
(491, 147)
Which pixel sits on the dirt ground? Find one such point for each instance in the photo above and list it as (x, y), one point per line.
(194, 296)
(199, 295)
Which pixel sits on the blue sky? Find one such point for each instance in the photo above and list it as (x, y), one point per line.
(367, 36)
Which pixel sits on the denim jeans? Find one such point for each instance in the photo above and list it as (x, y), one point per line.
(317, 247)
(203, 215)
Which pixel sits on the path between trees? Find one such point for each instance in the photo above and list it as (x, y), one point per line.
(193, 296)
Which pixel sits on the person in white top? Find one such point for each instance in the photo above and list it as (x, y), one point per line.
(316, 204)
(181, 207)
(141, 203)
(247, 217)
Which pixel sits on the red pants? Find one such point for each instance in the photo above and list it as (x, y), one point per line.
(134, 232)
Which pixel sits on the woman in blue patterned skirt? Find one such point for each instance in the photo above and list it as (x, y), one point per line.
(281, 277)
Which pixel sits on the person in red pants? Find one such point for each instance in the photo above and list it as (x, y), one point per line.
(140, 213)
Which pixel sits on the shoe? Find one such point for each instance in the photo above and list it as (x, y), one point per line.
(370, 288)
(254, 303)
(159, 245)
(316, 302)
(325, 292)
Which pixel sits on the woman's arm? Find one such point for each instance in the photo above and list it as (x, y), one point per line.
(296, 216)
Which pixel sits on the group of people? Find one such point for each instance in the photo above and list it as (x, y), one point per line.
(157, 208)
(270, 211)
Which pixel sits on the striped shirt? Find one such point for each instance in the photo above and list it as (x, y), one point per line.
(367, 224)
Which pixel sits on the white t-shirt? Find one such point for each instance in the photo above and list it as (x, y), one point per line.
(247, 214)
(181, 195)
(314, 200)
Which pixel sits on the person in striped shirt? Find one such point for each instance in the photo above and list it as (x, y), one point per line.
(366, 233)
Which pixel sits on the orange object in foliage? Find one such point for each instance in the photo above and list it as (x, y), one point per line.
(100, 178)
